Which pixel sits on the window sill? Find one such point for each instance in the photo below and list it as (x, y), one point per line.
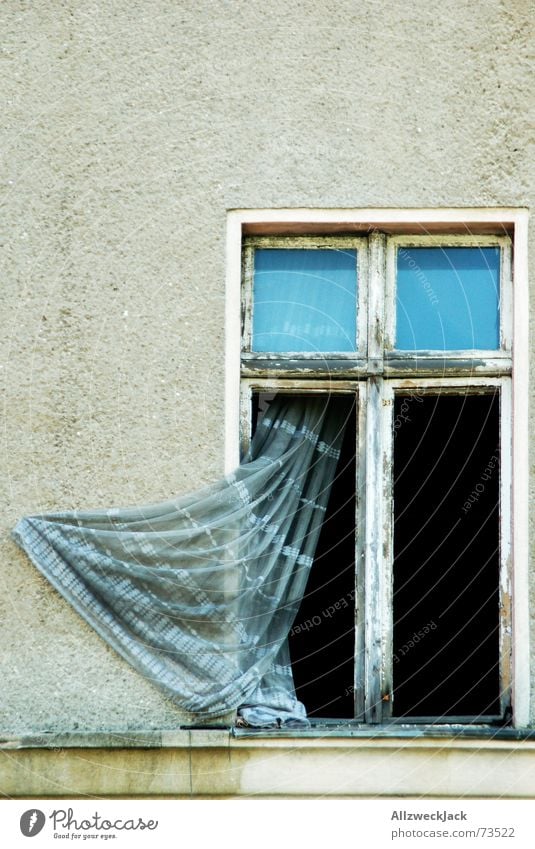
(220, 763)
(393, 731)
(225, 736)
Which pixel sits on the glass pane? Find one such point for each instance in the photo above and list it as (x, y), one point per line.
(305, 300)
(448, 298)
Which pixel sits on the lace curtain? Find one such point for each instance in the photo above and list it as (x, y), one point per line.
(199, 593)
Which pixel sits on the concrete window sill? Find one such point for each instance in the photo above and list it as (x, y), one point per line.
(217, 736)
(215, 763)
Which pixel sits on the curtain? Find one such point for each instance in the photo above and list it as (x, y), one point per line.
(199, 593)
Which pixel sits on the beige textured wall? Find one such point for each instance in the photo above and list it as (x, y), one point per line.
(129, 129)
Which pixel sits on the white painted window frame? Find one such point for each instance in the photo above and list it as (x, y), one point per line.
(441, 221)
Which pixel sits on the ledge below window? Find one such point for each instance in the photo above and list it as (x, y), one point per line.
(435, 762)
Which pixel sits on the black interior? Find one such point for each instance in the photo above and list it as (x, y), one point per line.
(446, 555)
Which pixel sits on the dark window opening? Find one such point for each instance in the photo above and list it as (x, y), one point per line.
(322, 639)
(446, 556)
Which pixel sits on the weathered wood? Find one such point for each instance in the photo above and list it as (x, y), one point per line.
(360, 557)
(460, 727)
(428, 364)
(374, 625)
(301, 367)
(375, 373)
(506, 553)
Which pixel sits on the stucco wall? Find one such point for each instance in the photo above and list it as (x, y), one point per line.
(130, 129)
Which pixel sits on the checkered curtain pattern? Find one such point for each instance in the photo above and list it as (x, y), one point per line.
(199, 593)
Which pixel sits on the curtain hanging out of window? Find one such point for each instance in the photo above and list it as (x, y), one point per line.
(199, 593)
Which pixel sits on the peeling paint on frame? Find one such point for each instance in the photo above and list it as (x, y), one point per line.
(429, 369)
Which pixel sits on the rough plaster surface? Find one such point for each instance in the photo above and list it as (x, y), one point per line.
(129, 129)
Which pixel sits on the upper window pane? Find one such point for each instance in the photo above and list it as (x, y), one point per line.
(305, 300)
(448, 298)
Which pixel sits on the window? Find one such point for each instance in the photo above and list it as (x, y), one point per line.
(408, 611)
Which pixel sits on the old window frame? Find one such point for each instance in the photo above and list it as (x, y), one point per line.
(382, 603)
(383, 229)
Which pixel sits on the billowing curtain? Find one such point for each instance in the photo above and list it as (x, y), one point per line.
(199, 593)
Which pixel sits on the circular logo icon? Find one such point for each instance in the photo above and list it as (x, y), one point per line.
(31, 822)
